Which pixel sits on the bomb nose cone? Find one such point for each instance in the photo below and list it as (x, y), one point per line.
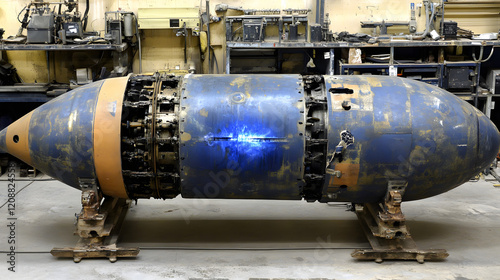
(488, 142)
(74, 138)
(14, 139)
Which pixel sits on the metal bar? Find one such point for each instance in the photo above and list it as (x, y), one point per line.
(332, 62)
(208, 35)
(476, 84)
(48, 66)
(488, 105)
(317, 10)
(24, 97)
(321, 11)
(185, 44)
(391, 58)
(303, 17)
(441, 74)
(442, 17)
(59, 47)
(394, 43)
(138, 37)
(228, 60)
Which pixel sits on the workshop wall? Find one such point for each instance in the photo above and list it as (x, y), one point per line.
(162, 49)
(31, 66)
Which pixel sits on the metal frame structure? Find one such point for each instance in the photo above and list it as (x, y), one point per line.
(234, 46)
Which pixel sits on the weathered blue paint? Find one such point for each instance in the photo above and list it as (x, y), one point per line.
(488, 140)
(61, 135)
(241, 137)
(410, 131)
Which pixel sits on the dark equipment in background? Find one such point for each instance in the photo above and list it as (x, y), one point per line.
(41, 26)
(292, 25)
(8, 74)
(253, 30)
(450, 30)
(316, 35)
(72, 29)
(121, 27)
(493, 81)
(293, 32)
(45, 25)
(459, 78)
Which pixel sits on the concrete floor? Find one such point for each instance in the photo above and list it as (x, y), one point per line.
(229, 239)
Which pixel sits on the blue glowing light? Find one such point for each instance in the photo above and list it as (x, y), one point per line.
(243, 137)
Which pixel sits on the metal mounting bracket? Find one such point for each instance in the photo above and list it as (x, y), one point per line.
(98, 226)
(385, 228)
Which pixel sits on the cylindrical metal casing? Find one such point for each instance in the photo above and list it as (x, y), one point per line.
(128, 25)
(242, 136)
(326, 138)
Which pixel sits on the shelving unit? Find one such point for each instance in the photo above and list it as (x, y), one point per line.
(460, 77)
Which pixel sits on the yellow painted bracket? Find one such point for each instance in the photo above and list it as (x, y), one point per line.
(168, 18)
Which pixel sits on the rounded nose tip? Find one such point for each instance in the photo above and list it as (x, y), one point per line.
(14, 139)
(488, 142)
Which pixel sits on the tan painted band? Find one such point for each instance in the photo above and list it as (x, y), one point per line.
(17, 138)
(107, 140)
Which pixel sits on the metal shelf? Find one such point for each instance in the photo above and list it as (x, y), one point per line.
(39, 92)
(393, 43)
(58, 47)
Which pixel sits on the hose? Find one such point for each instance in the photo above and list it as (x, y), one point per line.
(481, 60)
(85, 18)
(208, 34)
(428, 22)
(138, 37)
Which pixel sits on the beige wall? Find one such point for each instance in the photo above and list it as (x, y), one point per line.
(163, 50)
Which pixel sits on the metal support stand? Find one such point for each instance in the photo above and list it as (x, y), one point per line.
(228, 60)
(98, 226)
(385, 228)
(494, 174)
(120, 64)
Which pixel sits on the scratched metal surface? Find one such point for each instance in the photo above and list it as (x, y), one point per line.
(404, 130)
(61, 138)
(242, 136)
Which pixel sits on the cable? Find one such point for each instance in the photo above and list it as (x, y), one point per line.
(214, 59)
(481, 60)
(20, 14)
(99, 61)
(86, 15)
